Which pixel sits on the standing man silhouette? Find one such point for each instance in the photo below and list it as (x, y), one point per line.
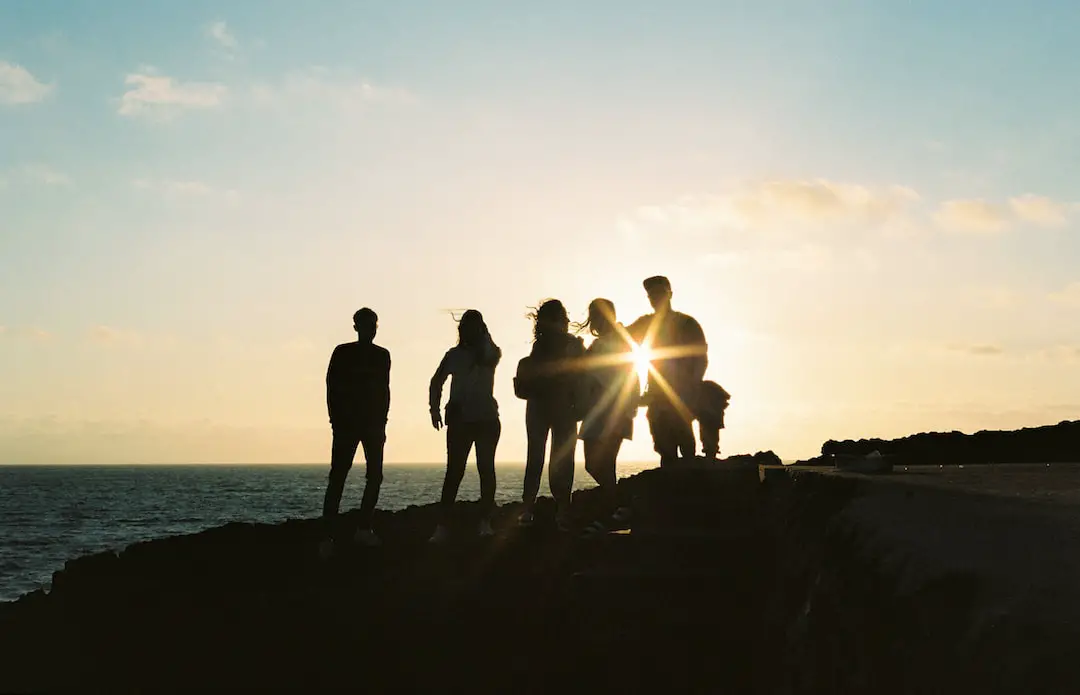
(678, 367)
(358, 402)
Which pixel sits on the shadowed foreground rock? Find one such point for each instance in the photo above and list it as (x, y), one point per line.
(1047, 444)
(729, 580)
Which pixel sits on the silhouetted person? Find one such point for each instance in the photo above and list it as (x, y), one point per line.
(358, 402)
(712, 404)
(472, 416)
(548, 380)
(611, 390)
(678, 367)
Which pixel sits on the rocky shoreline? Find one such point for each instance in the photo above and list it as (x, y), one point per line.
(1045, 444)
(735, 576)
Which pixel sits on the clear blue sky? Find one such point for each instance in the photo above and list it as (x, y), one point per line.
(872, 207)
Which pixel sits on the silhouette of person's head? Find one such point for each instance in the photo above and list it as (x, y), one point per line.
(550, 319)
(601, 319)
(471, 328)
(366, 324)
(658, 288)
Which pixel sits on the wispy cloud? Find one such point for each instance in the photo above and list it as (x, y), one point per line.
(19, 86)
(44, 174)
(34, 334)
(162, 96)
(324, 88)
(979, 350)
(115, 337)
(972, 216)
(1040, 210)
(1070, 294)
(782, 205)
(177, 190)
(986, 217)
(219, 33)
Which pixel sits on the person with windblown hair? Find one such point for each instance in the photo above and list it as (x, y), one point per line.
(472, 417)
(547, 380)
(611, 391)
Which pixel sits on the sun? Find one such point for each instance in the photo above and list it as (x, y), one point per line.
(643, 357)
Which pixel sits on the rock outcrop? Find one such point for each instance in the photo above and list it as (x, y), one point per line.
(1048, 444)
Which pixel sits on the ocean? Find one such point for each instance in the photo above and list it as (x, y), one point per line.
(50, 514)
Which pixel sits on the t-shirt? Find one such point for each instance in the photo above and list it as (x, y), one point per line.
(358, 384)
(682, 349)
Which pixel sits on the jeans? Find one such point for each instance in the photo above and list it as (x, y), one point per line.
(539, 421)
(343, 451)
(460, 438)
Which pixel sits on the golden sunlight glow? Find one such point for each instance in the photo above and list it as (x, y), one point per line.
(643, 357)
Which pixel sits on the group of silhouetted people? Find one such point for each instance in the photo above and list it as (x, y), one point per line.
(571, 392)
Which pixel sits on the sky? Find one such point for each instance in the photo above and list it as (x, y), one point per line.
(872, 208)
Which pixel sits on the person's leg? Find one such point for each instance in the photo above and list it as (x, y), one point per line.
(710, 437)
(374, 443)
(683, 431)
(561, 468)
(342, 452)
(659, 418)
(487, 441)
(600, 457)
(536, 431)
(459, 442)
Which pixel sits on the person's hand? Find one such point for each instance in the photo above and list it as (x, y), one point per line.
(436, 419)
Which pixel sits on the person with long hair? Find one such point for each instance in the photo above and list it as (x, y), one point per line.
(611, 391)
(472, 417)
(547, 379)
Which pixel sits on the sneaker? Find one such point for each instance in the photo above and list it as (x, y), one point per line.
(441, 535)
(326, 549)
(485, 530)
(526, 519)
(366, 537)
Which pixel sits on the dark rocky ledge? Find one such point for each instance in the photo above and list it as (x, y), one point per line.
(1048, 444)
(734, 577)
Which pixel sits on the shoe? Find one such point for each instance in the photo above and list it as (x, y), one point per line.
(485, 530)
(526, 519)
(366, 537)
(326, 549)
(441, 535)
(621, 515)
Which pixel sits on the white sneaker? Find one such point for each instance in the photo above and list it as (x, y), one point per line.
(485, 529)
(326, 549)
(441, 535)
(366, 537)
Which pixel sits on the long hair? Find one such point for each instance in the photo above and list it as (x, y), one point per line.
(472, 316)
(549, 319)
(601, 316)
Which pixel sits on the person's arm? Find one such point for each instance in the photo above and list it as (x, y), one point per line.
(491, 352)
(436, 387)
(331, 384)
(638, 329)
(386, 389)
(697, 350)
